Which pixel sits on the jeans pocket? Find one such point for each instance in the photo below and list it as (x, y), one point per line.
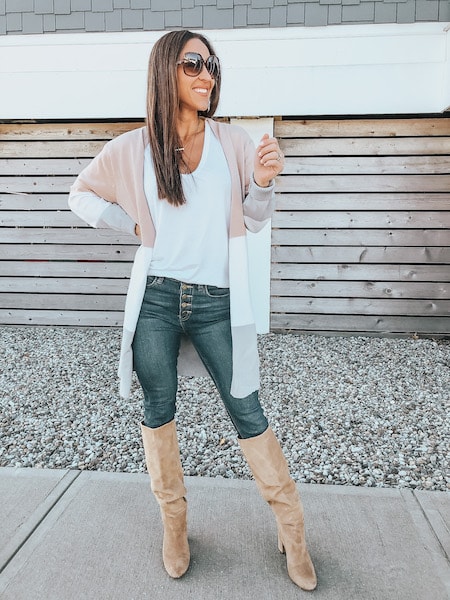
(153, 280)
(216, 292)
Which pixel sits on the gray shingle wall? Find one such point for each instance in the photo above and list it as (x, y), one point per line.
(50, 16)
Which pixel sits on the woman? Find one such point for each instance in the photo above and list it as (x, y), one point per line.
(189, 187)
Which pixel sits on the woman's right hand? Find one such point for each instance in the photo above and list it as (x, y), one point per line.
(137, 231)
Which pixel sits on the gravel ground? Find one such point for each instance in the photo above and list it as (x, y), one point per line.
(351, 411)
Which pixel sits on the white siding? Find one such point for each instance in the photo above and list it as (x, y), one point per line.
(357, 69)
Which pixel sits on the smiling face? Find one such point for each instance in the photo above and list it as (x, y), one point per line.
(194, 93)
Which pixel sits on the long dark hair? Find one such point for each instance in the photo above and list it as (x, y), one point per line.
(162, 111)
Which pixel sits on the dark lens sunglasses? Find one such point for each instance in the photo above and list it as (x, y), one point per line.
(193, 64)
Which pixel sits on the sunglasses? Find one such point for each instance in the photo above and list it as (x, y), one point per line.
(193, 64)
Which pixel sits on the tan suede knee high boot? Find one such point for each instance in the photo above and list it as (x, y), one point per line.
(162, 456)
(271, 473)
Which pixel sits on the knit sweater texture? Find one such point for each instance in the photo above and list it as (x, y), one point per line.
(117, 175)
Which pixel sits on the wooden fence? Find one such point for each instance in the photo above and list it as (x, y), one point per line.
(361, 235)
(54, 269)
(360, 239)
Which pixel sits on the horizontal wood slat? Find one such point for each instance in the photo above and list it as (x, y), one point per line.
(56, 184)
(362, 201)
(75, 149)
(365, 146)
(360, 272)
(71, 318)
(363, 219)
(359, 289)
(58, 131)
(38, 201)
(43, 166)
(364, 165)
(360, 324)
(363, 183)
(362, 306)
(353, 128)
(361, 255)
(36, 218)
(55, 285)
(75, 236)
(67, 252)
(360, 237)
(76, 301)
(69, 301)
(361, 233)
(81, 269)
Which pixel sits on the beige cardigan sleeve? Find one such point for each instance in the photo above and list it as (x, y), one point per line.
(98, 176)
(259, 203)
(117, 175)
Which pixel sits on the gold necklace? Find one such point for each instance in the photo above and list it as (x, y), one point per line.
(193, 138)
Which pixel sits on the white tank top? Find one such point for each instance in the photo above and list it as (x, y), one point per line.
(192, 240)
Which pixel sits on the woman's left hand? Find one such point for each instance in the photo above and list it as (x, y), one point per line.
(269, 161)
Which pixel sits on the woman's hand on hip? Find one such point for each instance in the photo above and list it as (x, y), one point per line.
(269, 161)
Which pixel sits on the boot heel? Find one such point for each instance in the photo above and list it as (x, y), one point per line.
(271, 472)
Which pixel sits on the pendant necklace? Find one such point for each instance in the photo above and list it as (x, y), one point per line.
(193, 135)
(189, 146)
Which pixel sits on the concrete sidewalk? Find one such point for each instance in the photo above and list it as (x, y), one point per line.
(92, 535)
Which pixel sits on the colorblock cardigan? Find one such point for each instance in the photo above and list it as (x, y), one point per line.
(117, 175)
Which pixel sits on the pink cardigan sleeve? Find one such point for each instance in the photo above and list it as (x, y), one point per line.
(258, 203)
(98, 177)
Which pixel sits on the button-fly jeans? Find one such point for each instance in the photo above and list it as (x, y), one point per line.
(202, 312)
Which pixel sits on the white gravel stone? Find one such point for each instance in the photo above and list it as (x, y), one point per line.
(347, 410)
